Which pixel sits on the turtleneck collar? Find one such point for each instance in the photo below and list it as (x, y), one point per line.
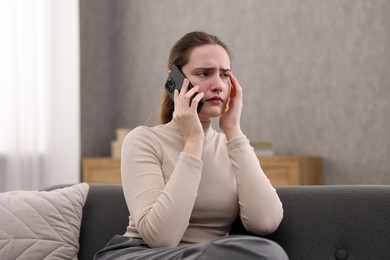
(208, 130)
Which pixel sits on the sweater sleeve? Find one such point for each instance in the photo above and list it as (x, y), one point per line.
(261, 210)
(161, 211)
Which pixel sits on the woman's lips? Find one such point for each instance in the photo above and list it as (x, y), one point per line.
(215, 100)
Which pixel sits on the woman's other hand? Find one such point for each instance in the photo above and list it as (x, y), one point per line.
(229, 121)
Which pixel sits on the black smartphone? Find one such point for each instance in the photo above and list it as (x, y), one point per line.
(175, 81)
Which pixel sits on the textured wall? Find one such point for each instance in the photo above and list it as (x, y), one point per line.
(315, 73)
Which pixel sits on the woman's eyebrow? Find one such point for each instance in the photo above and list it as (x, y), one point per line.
(212, 68)
(204, 68)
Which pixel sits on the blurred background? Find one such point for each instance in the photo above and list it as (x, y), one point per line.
(315, 76)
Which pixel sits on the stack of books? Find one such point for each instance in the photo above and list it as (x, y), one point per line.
(116, 145)
(262, 148)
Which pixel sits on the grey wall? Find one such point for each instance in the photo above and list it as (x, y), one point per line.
(315, 73)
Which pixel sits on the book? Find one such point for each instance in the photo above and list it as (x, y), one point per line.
(116, 145)
(262, 148)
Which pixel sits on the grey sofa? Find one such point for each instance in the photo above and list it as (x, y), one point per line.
(320, 222)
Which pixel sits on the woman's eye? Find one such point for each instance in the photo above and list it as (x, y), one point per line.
(203, 74)
(225, 75)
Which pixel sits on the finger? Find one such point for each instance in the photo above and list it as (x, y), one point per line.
(234, 81)
(178, 101)
(175, 95)
(192, 91)
(195, 101)
(184, 87)
(187, 98)
(226, 108)
(236, 87)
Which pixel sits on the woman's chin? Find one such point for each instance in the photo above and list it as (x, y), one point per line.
(209, 113)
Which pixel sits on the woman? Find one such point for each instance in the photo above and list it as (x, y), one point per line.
(186, 183)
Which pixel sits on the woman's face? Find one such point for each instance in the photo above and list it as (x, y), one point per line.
(209, 68)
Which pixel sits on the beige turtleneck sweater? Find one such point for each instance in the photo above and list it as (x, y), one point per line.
(175, 198)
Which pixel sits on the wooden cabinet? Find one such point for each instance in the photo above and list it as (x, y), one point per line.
(101, 170)
(281, 170)
(292, 170)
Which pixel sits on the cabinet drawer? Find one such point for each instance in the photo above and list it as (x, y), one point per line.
(101, 170)
(292, 170)
(281, 176)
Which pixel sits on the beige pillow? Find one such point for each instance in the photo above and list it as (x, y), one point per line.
(41, 224)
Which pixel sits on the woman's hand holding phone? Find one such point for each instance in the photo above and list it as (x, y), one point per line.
(186, 117)
(229, 122)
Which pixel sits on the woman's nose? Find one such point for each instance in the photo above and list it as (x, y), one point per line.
(217, 84)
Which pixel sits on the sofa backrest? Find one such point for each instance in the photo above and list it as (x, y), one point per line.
(105, 214)
(320, 222)
(335, 222)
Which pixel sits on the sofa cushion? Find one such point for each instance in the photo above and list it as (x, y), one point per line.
(41, 224)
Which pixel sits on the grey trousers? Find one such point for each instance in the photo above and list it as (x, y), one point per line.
(231, 247)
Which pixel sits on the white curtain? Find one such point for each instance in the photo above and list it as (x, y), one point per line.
(27, 84)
